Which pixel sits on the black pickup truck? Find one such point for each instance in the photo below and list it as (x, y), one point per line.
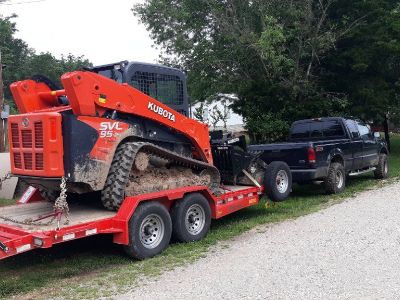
(328, 149)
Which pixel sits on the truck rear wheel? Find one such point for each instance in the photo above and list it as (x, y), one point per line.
(382, 169)
(335, 181)
(278, 181)
(150, 230)
(191, 218)
(113, 192)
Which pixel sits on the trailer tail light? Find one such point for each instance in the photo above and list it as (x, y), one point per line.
(38, 242)
(311, 155)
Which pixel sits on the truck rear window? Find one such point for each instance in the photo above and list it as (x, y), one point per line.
(317, 129)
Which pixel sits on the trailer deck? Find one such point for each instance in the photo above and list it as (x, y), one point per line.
(79, 213)
(89, 218)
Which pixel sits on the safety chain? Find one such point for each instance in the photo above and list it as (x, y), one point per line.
(28, 221)
(4, 178)
(60, 208)
(61, 204)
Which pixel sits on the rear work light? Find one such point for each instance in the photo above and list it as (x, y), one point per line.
(311, 155)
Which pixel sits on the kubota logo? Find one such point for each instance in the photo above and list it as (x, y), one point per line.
(161, 111)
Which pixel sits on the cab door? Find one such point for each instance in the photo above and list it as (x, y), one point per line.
(356, 145)
(370, 145)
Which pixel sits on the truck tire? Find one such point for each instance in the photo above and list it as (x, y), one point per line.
(113, 192)
(278, 181)
(335, 181)
(150, 230)
(382, 169)
(191, 218)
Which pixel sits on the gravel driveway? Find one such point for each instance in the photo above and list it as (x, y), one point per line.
(347, 251)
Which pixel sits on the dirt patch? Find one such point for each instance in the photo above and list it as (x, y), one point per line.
(158, 179)
(141, 161)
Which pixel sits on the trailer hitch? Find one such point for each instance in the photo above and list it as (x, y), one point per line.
(4, 247)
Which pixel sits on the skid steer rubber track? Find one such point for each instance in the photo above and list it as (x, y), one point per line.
(114, 189)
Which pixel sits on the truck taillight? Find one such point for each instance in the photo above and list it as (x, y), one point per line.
(311, 155)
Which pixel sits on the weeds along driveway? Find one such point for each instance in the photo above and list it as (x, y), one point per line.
(347, 251)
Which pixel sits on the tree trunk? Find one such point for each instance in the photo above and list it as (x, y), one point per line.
(386, 129)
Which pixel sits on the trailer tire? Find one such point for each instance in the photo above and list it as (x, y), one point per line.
(278, 181)
(113, 192)
(382, 169)
(335, 181)
(150, 230)
(191, 218)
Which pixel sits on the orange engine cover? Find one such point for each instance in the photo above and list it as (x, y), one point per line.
(36, 144)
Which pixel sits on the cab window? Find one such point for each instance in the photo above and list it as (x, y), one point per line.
(113, 74)
(363, 129)
(329, 129)
(352, 126)
(167, 89)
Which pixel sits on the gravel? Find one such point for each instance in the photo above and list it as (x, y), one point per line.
(347, 251)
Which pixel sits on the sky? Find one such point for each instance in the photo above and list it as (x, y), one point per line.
(103, 31)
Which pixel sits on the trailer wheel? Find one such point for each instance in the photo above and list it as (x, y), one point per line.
(113, 192)
(382, 169)
(278, 181)
(191, 218)
(150, 230)
(335, 181)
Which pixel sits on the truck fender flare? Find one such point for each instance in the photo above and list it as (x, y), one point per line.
(383, 149)
(336, 155)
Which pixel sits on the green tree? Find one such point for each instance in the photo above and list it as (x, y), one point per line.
(268, 53)
(22, 62)
(199, 112)
(48, 65)
(366, 63)
(15, 53)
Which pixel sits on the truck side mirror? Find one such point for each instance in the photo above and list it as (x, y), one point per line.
(377, 134)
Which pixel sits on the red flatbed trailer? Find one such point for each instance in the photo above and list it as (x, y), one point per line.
(88, 220)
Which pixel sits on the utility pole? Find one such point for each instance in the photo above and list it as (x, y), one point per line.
(1, 106)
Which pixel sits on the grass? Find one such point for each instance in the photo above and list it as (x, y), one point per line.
(95, 267)
(4, 202)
